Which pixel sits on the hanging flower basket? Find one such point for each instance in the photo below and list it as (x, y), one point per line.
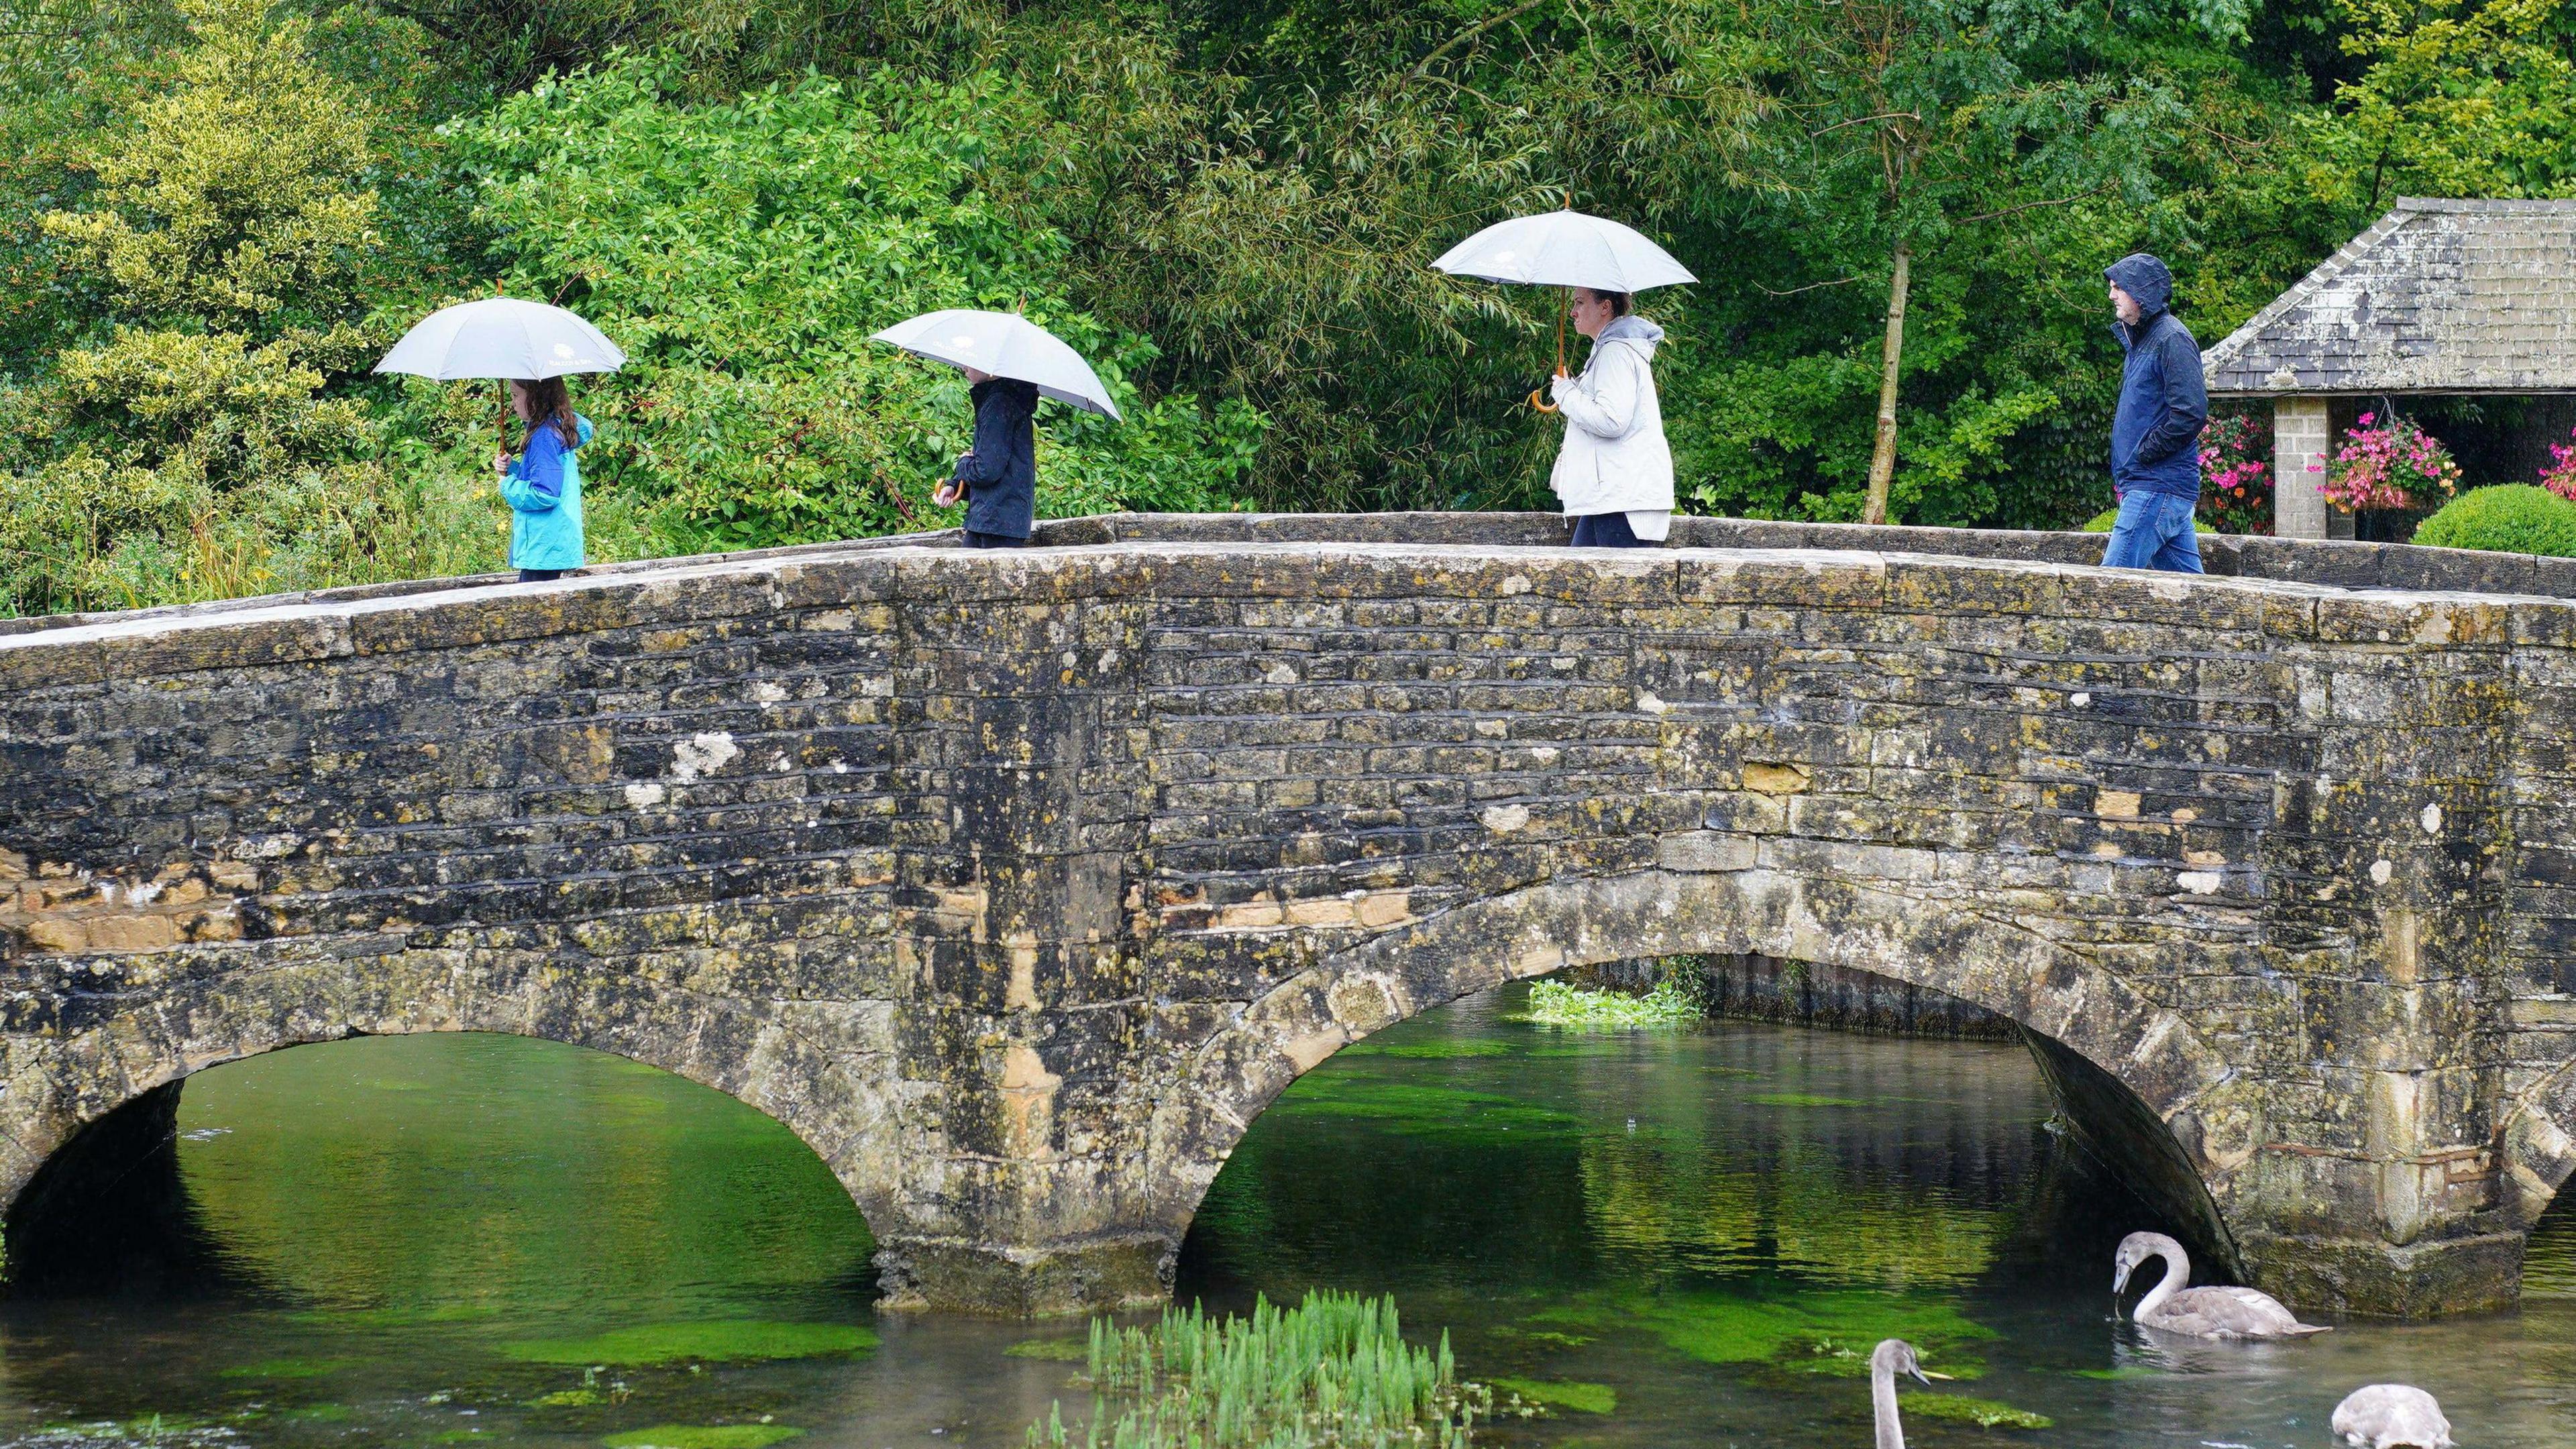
(2389, 464)
(2560, 476)
(2236, 475)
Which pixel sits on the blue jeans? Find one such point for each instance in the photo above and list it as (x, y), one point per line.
(2154, 531)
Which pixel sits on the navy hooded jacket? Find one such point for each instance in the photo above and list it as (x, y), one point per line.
(2164, 403)
(1001, 474)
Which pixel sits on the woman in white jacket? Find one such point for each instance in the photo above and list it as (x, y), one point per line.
(1615, 474)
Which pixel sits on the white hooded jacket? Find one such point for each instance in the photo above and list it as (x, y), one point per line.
(1615, 459)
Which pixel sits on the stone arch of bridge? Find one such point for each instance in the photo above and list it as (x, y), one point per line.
(2537, 1138)
(2137, 1079)
(158, 1039)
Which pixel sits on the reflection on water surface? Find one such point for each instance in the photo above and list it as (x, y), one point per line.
(1679, 1238)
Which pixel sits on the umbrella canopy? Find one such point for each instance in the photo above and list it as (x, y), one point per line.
(502, 337)
(1005, 344)
(1565, 249)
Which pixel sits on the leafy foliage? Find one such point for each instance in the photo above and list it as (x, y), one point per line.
(213, 212)
(2508, 518)
(742, 253)
(231, 229)
(1554, 1003)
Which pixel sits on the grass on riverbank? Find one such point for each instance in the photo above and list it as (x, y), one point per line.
(1331, 1373)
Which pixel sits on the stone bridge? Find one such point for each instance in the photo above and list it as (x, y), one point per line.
(1018, 883)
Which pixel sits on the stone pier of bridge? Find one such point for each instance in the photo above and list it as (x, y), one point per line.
(1018, 883)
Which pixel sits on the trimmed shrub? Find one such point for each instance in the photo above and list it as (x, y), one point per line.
(2103, 520)
(2507, 518)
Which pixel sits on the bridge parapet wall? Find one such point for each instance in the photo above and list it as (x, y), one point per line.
(1018, 883)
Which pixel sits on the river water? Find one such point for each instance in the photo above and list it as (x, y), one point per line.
(1682, 1237)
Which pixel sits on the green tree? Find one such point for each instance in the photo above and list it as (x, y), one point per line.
(2461, 98)
(1900, 122)
(231, 232)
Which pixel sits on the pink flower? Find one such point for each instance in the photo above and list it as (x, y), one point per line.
(2366, 419)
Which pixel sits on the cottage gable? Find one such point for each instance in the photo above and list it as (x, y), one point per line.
(2441, 296)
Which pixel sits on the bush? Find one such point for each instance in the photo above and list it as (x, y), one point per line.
(2509, 518)
(2101, 522)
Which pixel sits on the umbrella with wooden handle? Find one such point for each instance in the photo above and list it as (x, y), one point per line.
(1564, 249)
(501, 338)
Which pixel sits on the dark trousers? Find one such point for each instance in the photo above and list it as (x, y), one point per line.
(539, 576)
(1606, 530)
(992, 540)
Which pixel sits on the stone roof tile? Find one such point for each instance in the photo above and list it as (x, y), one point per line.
(2440, 295)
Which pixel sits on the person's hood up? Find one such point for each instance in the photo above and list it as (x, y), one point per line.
(1636, 330)
(2146, 279)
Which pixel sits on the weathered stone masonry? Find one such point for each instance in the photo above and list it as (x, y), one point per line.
(1018, 883)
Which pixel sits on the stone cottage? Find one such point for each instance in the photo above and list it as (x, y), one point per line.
(2441, 299)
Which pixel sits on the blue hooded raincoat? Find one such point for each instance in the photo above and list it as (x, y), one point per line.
(543, 489)
(2155, 435)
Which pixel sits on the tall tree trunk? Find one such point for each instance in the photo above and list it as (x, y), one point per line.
(1882, 458)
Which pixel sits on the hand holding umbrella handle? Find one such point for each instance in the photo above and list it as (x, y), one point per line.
(1538, 395)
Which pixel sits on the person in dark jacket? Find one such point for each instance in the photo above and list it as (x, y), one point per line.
(2155, 435)
(998, 476)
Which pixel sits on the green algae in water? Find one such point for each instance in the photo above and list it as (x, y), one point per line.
(1419, 1110)
(1553, 1003)
(720, 1342)
(2117, 1375)
(1545, 1338)
(1828, 1332)
(1432, 1050)
(321, 1414)
(1561, 1394)
(288, 1368)
(702, 1436)
(568, 1399)
(1803, 1099)
(1984, 1413)
(1054, 1350)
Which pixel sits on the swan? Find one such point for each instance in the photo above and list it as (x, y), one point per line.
(2199, 1312)
(1894, 1356)
(2384, 1416)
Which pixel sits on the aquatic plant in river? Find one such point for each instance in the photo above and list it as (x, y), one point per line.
(1553, 1003)
(1332, 1373)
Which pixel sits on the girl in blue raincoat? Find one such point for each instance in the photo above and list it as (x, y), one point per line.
(543, 485)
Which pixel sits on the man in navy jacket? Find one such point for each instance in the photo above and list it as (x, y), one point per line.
(2155, 435)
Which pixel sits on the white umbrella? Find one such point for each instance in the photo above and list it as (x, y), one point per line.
(501, 337)
(1005, 344)
(1564, 249)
